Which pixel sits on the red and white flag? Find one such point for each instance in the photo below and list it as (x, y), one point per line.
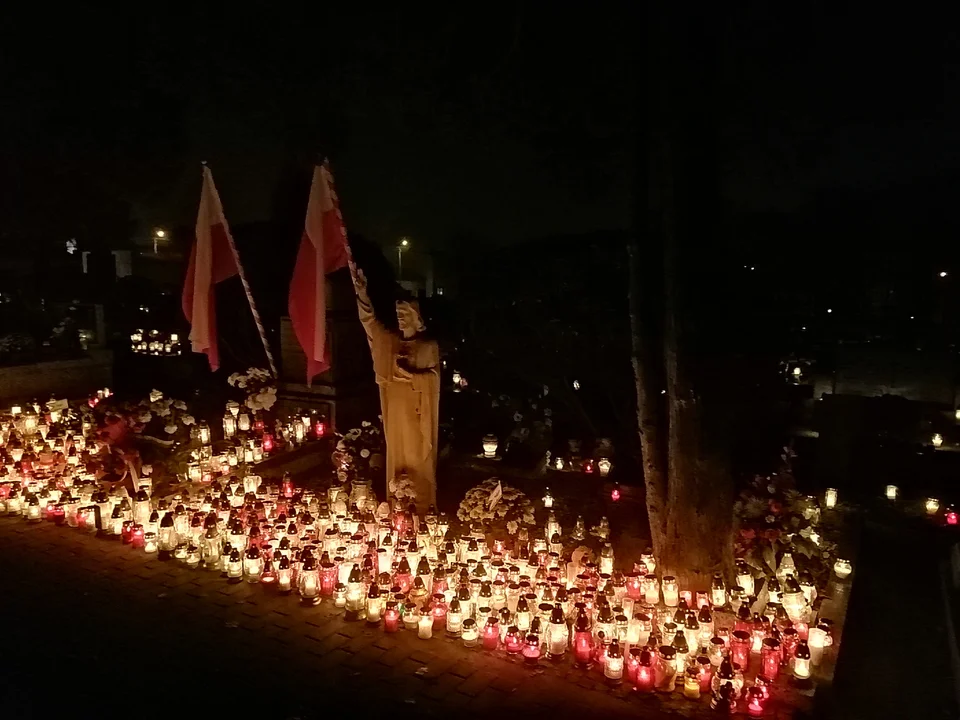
(323, 249)
(212, 260)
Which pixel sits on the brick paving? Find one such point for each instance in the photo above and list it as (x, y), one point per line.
(95, 628)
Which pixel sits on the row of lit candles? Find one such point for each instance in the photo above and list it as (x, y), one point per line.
(313, 582)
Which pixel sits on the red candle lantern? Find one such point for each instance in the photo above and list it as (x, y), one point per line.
(126, 532)
(633, 585)
(756, 702)
(705, 673)
(588, 467)
(645, 671)
(615, 493)
(328, 578)
(802, 629)
(531, 649)
(491, 634)
(258, 425)
(438, 608)
(582, 639)
(950, 516)
(391, 617)
(136, 536)
(512, 641)
(58, 514)
(771, 657)
(740, 649)
(320, 429)
(287, 486)
(268, 442)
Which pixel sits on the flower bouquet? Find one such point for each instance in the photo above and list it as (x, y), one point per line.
(260, 388)
(512, 510)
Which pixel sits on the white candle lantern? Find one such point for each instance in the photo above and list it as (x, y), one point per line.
(150, 542)
(932, 505)
(229, 426)
(425, 626)
(671, 591)
(937, 440)
(816, 640)
(203, 432)
(842, 568)
(830, 498)
(891, 492)
(604, 465)
(490, 445)
(547, 499)
(243, 422)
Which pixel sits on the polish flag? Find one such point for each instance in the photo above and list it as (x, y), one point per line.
(323, 249)
(212, 260)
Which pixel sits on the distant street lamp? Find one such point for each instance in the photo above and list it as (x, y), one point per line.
(158, 235)
(943, 273)
(403, 245)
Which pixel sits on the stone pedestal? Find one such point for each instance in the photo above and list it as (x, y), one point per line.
(347, 392)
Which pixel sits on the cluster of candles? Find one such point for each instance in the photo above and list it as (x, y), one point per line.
(523, 597)
(249, 440)
(155, 342)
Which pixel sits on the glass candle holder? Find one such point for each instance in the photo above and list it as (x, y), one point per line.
(513, 640)
(842, 568)
(425, 627)
(531, 649)
(391, 617)
(801, 661)
(469, 633)
(150, 542)
(646, 671)
(671, 591)
(491, 634)
(740, 645)
(770, 658)
(613, 662)
(830, 498)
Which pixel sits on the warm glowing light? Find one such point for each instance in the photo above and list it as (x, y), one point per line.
(937, 440)
(943, 273)
(830, 498)
(950, 516)
(615, 493)
(797, 372)
(160, 233)
(931, 506)
(891, 492)
(842, 568)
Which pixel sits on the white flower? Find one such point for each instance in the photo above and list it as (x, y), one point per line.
(512, 527)
(145, 417)
(546, 391)
(179, 404)
(156, 396)
(170, 429)
(188, 420)
(163, 411)
(364, 453)
(365, 423)
(517, 416)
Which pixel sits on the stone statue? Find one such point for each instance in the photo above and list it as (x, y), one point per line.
(407, 367)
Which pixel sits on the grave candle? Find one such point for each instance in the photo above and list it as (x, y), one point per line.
(671, 592)
(391, 617)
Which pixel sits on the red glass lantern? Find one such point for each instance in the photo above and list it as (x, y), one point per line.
(259, 426)
(771, 657)
(705, 673)
(582, 646)
(391, 617)
(136, 537)
(615, 493)
(645, 671)
(740, 648)
(438, 608)
(58, 514)
(287, 487)
(756, 702)
(633, 585)
(491, 634)
(512, 641)
(328, 578)
(588, 467)
(950, 517)
(531, 649)
(126, 532)
(268, 442)
(320, 429)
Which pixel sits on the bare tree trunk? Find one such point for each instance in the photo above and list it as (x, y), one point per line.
(651, 418)
(689, 488)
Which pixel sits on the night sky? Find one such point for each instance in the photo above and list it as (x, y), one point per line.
(500, 122)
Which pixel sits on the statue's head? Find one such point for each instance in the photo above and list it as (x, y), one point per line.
(409, 319)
